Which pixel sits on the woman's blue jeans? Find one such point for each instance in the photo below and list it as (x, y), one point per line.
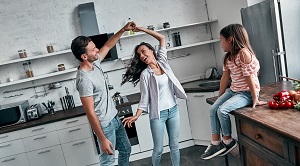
(219, 112)
(170, 119)
(116, 134)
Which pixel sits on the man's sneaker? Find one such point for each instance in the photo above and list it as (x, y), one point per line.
(229, 147)
(213, 151)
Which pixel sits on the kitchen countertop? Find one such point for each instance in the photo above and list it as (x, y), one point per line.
(284, 121)
(189, 87)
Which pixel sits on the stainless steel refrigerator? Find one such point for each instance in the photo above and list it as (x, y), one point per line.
(273, 27)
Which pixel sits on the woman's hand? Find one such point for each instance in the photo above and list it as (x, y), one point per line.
(129, 120)
(129, 26)
(257, 102)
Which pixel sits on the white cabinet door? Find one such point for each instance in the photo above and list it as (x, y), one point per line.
(41, 141)
(47, 157)
(80, 153)
(199, 115)
(16, 160)
(143, 130)
(74, 133)
(185, 128)
(9, 136)
(71, 122)
(11, 148)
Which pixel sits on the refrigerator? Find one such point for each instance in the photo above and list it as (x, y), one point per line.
(273, 27)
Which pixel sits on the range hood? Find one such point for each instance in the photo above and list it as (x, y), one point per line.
(88, 19)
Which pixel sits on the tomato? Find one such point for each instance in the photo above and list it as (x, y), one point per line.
(281, 105)
(275, 105)
(271, 103)
(283, 93)
(288, 104)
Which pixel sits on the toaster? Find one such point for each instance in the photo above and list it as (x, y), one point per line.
(34, 112)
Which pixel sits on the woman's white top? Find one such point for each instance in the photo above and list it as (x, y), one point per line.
(166, 98)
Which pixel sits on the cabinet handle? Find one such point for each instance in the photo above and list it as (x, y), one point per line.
(74, 130)
(258, 136)
(40, 138)
(45, 151)
(199, 96)
(7, 160)
(38, 129)
(4, 137)
(79, 143)
(3, 146)
(73, 121)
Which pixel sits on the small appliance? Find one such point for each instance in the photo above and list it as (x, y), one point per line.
(34, 112)
(13, 113)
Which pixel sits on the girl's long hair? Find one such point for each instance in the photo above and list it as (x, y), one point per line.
(136, 66)
(240, 40)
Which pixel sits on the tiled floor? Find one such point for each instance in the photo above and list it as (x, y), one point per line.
(191, 157)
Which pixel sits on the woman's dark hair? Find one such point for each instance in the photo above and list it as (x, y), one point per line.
(136, 66)
(79, 45)
(240, 40)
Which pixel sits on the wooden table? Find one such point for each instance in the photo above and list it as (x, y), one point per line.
(266, 136)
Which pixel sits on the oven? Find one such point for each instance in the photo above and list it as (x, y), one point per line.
(124, 112)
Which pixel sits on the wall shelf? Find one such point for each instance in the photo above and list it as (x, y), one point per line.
(193, 45)
(171, 28)
(35, 57)
(38, 77)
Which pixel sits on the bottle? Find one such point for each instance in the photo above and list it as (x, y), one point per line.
(27, 68)
(177, 39)
(131, 31)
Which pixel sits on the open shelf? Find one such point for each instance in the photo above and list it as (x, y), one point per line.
(193, 45)
(171, 28)
(38, 77)
(35, 57)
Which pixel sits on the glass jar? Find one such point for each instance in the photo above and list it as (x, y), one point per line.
(61, 67)
(28, 70)
(50, 48)
(22, 54)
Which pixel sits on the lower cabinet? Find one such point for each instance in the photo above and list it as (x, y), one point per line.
(15, 160)
(199, 116)
(143, 130)
(80, 153)
(47, 157)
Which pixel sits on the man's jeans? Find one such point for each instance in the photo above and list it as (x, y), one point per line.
(116, 134)
(170, 119)
(219, 112)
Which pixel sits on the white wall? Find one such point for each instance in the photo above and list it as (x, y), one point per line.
(227, 12)
(31, 24)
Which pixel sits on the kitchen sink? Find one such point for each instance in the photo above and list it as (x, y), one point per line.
(210, 84)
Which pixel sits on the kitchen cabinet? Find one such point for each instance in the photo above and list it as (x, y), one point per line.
(198, 111)
(185, 128)
(143, 130)
(12, 151)
(49, 156)
(76, 138)
(15, 160)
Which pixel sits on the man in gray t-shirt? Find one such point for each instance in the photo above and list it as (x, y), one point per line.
(97, 101)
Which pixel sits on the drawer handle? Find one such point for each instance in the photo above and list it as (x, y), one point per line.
(258, 136)
(75, 130)
(3, 146)
(79, 143)
(7, 160)
(4, 137)
(43, 137)
(38, 129)
(73, 121)
(199, 96)
(46, 151)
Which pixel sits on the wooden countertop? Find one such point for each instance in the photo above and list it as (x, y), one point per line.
(286, 122)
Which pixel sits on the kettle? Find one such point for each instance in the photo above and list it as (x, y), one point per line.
(117, 98)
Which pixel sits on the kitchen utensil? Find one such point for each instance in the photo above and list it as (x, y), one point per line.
(211, 72)
(117, 98)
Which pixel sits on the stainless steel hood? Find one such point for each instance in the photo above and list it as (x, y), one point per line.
(88, 19)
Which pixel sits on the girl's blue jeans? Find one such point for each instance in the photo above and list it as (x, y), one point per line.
(219, 112)
(170, 119)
